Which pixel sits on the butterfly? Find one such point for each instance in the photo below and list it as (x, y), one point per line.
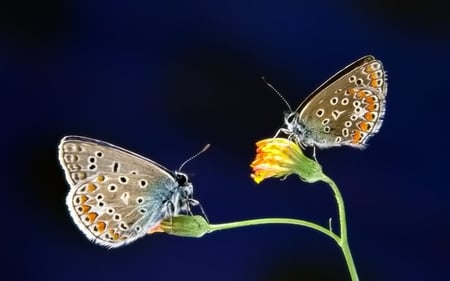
(117, 196)
(346, 110)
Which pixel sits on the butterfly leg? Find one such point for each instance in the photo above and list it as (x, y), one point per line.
(170, 211)
(314, 153)
(203, 212)
(277, 133)
(193, 202)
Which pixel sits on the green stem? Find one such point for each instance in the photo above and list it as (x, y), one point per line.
(222, 226)
(343, 241)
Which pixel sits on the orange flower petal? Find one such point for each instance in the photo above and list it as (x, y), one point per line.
(275, 157)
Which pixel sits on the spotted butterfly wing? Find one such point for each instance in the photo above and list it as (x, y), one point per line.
(116, 196)
(346, 110)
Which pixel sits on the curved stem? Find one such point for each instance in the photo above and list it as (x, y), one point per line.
(222, 226)
(343, 241)
(340, 205)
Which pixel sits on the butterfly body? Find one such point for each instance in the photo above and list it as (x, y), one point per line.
(346, 110)
(117, 196)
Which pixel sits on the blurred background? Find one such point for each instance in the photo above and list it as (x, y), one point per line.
(165, 78)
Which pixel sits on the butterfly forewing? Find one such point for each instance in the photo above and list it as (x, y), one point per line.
(83, 157)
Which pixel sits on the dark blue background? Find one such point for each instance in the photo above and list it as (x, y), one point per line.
(165, 79)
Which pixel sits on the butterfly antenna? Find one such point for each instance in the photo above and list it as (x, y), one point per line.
(194, 156)
(276, 91)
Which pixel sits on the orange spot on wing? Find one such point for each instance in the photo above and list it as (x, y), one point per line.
(370, 99)
(100, 179)
(361, 94)
(91, 187)
(92, 216)
(375, 83)
(83, 198)
(85, 209)
(364, 126)
(356, 137)
(101, 226)
(369, 116)
(374, 75)
(372, 107)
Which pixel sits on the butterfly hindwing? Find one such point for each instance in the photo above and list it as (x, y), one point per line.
(112, 210)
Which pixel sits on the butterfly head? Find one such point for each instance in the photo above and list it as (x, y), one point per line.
(185, 193)
(290, 119)
(185, 185)
(296, 130)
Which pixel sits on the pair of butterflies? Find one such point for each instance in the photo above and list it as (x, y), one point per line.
(117, 196)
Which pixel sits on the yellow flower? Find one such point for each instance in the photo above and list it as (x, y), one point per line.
(280, 157)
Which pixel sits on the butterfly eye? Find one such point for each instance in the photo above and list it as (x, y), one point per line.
(182, 179)
(290, 117)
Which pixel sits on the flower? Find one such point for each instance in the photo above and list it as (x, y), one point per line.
(280, 157)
